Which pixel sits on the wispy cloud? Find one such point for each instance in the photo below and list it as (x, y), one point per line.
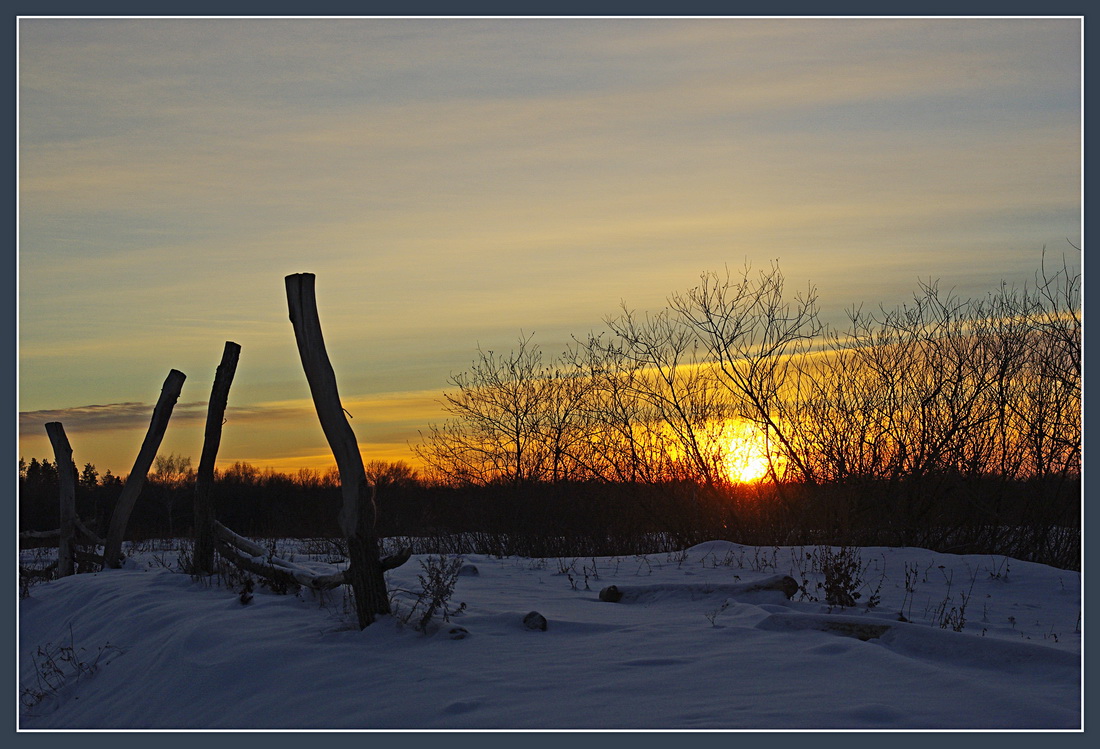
(125, 416)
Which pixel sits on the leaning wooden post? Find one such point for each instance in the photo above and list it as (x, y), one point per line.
(66, 479)
(169, 394)
(357, 514)
(204, 479)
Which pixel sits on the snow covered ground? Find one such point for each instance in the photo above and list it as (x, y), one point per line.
(689, 646)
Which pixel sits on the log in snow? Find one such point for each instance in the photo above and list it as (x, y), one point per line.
(251, 557)
(254, 558)
(40, 534)
(784, 584)
(88, 534)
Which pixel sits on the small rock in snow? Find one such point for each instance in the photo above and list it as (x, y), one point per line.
(783, 583)
(611, 594)
(535, 620)
(468, 569)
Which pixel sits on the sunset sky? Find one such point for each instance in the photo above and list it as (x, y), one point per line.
(453, 182)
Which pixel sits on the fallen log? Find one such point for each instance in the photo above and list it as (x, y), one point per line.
(46, 572)
(252, 557)
(56, 532)
(88, 536)
(848, 625)
(88, 557)
(783, 584)
(393, 561)
(85, 533)
(260, 567)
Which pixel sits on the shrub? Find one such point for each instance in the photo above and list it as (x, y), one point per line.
(843, 573)
(437, 584)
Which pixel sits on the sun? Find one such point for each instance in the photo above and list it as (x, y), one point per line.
(746, 469)
(745, 460)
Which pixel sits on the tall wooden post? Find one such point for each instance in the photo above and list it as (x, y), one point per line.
(204, 479)
(357, 514)
(66, 480)
(169, 394)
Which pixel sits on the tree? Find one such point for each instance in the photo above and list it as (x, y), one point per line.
(384, 474)
(39, 474)
(172, 470)
(667, 376)
(624, 440)
(170, 477)
(752, 332)
(497, 411)
(89, 477)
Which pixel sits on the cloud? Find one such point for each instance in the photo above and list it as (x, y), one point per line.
(132, 415)
(99, 417)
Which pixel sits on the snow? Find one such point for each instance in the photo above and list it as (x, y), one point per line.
(690, 646)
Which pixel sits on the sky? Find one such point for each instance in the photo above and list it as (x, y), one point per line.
(454, 183)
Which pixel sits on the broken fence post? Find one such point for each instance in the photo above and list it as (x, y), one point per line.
(169, 394)
(357, 514)
(204, 479)
(66, 480)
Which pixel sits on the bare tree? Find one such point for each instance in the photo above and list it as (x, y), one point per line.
(667, 375)
(497, 410)
(564, 433)
(751, 332)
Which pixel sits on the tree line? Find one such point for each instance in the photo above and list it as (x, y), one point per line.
(908, 422)
(259, 501)
(971, 387)
(948, 423)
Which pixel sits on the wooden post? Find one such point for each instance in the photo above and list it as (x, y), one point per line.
(204, 479)
(169, 394)
(357, 514)
(66, 479)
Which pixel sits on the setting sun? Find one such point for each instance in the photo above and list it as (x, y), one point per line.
(746, 458)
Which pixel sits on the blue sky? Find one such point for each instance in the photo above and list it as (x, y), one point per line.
(453, 182)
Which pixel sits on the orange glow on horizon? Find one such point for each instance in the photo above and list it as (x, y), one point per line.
(321, 462)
